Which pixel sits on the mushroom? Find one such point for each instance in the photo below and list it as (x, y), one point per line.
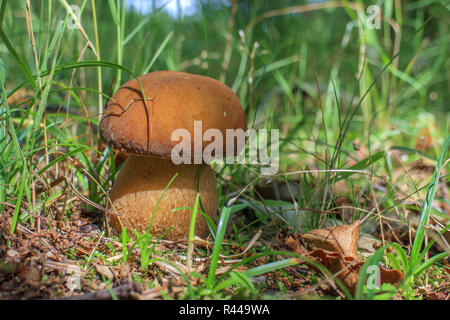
(143, 127)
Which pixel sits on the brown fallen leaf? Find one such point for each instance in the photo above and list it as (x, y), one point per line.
(347, 269)
(437, 296)
(68, 268)
(336, 249)
(342, 239)
(293, 243)
(392, 276)
(31, 275)
(222, 270)
(105, 271)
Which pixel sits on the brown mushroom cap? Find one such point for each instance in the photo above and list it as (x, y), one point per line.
(173, 100)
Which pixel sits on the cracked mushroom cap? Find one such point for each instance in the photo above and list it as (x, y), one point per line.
(173, 100)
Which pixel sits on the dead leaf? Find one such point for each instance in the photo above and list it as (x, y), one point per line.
(68, 268)
(12, 253)
(437, 296)
(31, 275)
(393, 276)
(105, 271)
(170, 268)
(347, 269)
(222, 270)
(336, 249)
(342, 239)
(293, 243)
(114, 258)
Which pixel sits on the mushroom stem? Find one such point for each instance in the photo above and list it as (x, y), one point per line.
(140, 185)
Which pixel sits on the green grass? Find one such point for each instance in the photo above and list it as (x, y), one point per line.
(327, 82)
